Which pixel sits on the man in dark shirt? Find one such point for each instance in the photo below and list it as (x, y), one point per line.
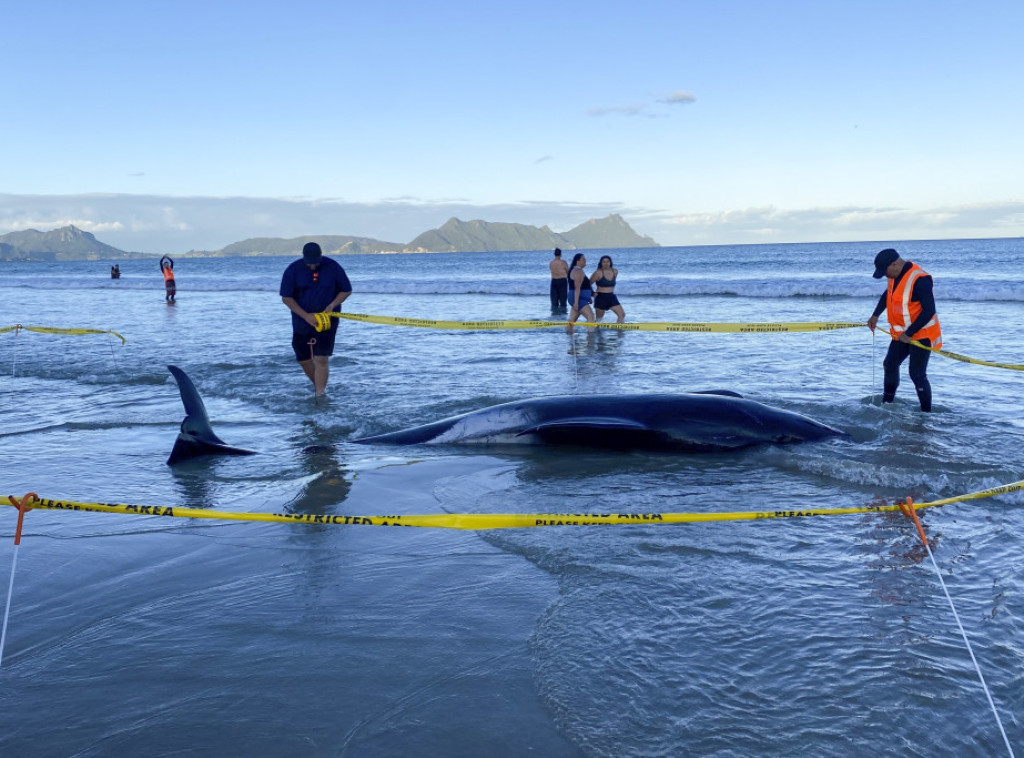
(314, 284)
(910, 306)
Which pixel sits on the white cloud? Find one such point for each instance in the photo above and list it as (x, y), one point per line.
(678, 98)
(160, 224)
(618, 110)
(848, 223)
(46, 224)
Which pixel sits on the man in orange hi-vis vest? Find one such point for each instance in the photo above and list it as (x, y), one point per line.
(910, 308)
(167, 269)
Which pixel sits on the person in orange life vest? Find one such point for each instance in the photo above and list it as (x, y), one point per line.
(167, 269)
(910, 308)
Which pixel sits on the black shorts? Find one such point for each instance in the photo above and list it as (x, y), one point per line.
(605, 301)
(324, 344)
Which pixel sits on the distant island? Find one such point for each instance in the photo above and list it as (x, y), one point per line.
(69, 243)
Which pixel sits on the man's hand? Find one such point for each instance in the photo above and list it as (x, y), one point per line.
(872, 322)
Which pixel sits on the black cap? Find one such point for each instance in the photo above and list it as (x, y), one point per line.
(311, 253)
(883, 260)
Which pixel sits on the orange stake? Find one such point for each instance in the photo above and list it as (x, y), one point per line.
(23, 508)
(910, 512)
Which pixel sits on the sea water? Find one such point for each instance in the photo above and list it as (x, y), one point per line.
(133, 635)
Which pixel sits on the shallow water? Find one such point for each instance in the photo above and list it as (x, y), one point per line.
(825, 636)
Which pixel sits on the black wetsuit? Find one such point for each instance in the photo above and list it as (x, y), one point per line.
(898, 351)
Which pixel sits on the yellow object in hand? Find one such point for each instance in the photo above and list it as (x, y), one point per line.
(323, 321)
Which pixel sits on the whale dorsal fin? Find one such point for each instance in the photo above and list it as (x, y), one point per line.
(196, 436)
(723, 393)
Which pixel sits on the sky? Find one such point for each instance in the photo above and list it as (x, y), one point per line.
(173, 126)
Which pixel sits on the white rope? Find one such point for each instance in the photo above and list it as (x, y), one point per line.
(873, 359)
(14, 354)
(113, 358)
(7, 610)
(967, 642)
(575, 360)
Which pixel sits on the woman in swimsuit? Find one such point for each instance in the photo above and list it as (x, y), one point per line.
(580, 291)
(605, 278)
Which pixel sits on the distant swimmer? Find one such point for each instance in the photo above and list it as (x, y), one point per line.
(910, 308)
(580, 291)
(313, 285)
(167, 269)
(115, 271)
(604, 278)
(559, 283)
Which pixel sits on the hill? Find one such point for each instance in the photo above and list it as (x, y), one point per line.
(69, 243)
(332, 244)
(482, 236)
(610, 231)
(472, 236)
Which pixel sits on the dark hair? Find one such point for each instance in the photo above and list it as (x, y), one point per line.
(575, 260)
(610, 264)
(558, 253)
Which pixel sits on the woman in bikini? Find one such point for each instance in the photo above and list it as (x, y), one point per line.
(604, 278)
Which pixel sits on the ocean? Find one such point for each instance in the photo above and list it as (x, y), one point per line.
(830, 636)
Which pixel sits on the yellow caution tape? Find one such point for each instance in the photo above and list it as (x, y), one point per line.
(432, 324)
(479, 521)
(965, 359)
(649, 326)
(58, 330)
(769, 327)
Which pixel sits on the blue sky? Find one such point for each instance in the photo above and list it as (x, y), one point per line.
(188, 125)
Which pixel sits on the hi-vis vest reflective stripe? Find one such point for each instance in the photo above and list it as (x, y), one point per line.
(902, 311)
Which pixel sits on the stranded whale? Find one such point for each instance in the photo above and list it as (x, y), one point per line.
(692, 422)
(716, 420)
(196, 437)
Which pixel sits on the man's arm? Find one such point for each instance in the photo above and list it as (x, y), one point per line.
(877, 312)
(344, 290)
(881, 305)
(340, 298)
(297, 309)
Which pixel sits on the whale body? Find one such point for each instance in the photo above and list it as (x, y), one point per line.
(689, 422)
(716, 420)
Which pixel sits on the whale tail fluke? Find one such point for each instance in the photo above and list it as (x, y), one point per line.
(196, 437)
